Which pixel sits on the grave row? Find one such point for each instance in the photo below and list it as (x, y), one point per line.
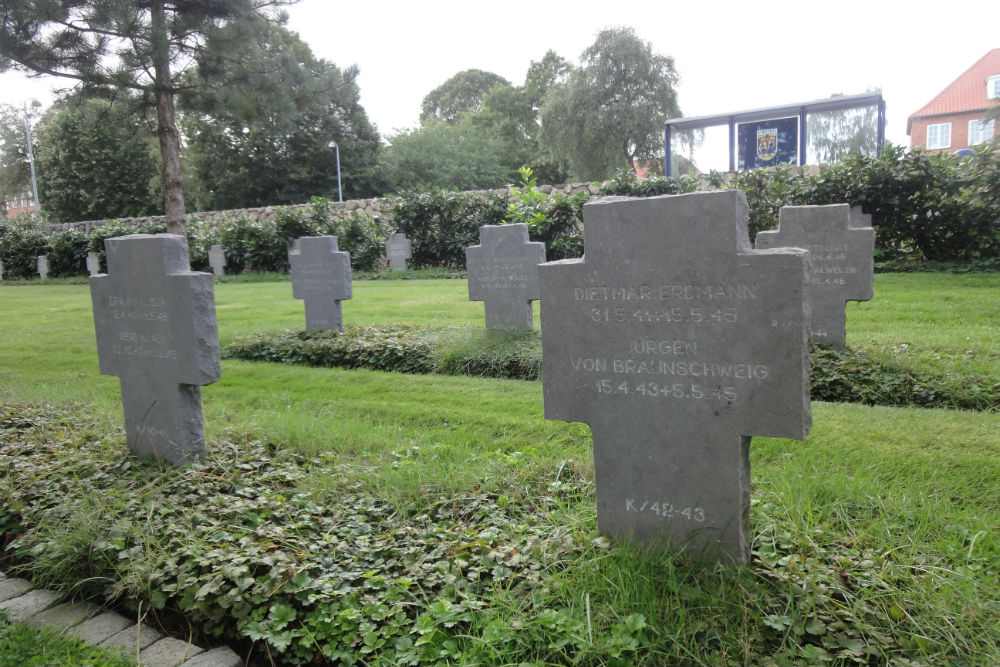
(672, 338)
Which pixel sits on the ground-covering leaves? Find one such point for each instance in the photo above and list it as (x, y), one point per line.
(851, 376)
(844, 572)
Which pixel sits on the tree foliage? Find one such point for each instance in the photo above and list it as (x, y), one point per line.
(262, 134)
(15, 175)
(610, 111)
(486, 136)
(464, 155)
(461, 93)
(95, 161)
(113, 45)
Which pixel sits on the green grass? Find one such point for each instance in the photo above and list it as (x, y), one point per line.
(25, 646)
(875, 540)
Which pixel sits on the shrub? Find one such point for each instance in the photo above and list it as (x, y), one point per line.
(441, 224)
(68, 253)
(626, 184)
(20, 247)
(556, 220)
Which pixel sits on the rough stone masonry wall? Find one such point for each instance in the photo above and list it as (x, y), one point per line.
(380, 207)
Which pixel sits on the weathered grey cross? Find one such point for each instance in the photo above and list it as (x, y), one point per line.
(841, 245)
(93, 263)
(217, 259)
(676, 342)
(503, 273)
(42, 264)
(321, 276)
(156, 331)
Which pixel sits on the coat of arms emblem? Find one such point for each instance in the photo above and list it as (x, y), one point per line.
(767, 143)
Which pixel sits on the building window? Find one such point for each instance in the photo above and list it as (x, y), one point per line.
(980, 132)
(993, 87)
(939, 135)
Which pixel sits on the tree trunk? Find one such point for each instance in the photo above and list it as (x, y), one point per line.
(170, 145)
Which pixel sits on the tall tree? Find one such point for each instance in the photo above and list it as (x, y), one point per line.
(610, 111)
(461, 93)
(460, 155)
(95, 161)
(264, 135)
(140, 45)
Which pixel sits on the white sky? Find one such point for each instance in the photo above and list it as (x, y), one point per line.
(731, 55)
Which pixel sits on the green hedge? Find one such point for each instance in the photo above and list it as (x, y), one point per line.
(250, 245)
(933, 207)
(850, 376)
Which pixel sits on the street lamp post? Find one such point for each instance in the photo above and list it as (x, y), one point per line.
(340, 193)
(31, 153)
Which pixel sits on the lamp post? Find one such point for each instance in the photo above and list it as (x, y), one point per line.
(340, 193)
(31, 153)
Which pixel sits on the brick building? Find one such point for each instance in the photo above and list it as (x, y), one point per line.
(22, 203)
(954, 119)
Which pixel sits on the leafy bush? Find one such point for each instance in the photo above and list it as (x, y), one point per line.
(853, 376)
(441, 224)
(400, 349)
(20, 247)
(68, 253)
(626, 184)
(556, 220)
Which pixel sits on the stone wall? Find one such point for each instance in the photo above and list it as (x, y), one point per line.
(380, 207)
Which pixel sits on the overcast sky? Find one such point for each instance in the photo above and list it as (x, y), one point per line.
(730, 55)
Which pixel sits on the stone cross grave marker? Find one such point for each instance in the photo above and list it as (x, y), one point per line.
(398, 250)
(217, 259)
(676, 342)
(93, 263)
(503, 273)
(156, 330)
(42, 263)
(841, 263)
(321, 276)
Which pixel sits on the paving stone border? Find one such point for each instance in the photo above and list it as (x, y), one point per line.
(107, 629)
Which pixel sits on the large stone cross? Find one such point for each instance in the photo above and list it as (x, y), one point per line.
(503, 273)
(676, 342)
(841, 245)
(321, 276)
(156, 331)
(398, 249)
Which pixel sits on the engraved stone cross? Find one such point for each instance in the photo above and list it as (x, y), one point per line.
(93, 263)
(398, 249)
(156, 330)
(321, 276)
(503, 273)
(217, 259)
(841, 245)
(676, 342)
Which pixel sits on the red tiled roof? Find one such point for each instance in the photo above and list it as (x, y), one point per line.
(966, 93)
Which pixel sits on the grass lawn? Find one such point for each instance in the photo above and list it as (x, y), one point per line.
(465, 521)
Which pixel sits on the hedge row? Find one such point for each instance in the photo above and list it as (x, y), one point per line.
(850, 376)
(939, 208)
(251, 245)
